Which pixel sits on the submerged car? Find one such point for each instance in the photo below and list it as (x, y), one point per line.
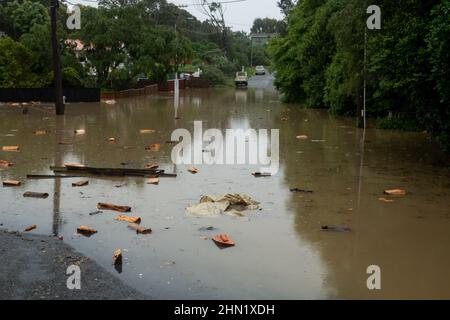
(241, 79)
(260, 70)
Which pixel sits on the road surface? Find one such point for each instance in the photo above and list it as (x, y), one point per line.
(262, 82)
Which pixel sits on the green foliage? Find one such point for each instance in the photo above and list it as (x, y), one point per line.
(19, 17)
(16, 62)
(399, 121)
(320, 62)
(268, 25)
(213, 74)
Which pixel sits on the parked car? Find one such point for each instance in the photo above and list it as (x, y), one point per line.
(260, 70)
(241, 79)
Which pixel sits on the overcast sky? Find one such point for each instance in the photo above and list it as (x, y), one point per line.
(238, 15)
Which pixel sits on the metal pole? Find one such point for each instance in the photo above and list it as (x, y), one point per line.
(59, 103)
(365, 61)
(176, 84)
(251, 55)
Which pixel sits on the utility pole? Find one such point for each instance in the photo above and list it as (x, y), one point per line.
(59, 103)
(176, 83)
(251, 54)
(361, 100)
(365, 80)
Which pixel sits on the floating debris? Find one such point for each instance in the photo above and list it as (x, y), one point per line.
(136, 220)
(223, 240)
(335, 228)
(395, 192)
(261, 174)
(153, 147)
(111, 139)
(210, 228)
(154, 181)
(30, 194)
(80, 183)
(386, 200)
(5, 164)
(95, 213)
(40, 132)
(302, 137)
(10, 148)
(139, 229)
(232, 204)
(86, 231)
(145, 131)
(151, 166)
(80, 131)
(12, 183)
(117, 257)
(28, 229)
(193, 170)
(113, 207)
(74, 165)
(110, 102)
(297, 190)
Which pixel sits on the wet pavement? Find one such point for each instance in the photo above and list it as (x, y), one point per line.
(281, 251)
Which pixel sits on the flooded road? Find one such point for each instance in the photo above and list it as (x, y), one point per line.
(280, 252)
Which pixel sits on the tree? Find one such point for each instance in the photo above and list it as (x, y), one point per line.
(320, 62)
(19, 17)
(268, 25)
(16, 62)
(215, 12)
(286, 6)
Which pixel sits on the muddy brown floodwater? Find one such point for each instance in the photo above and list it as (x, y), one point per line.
(280, 252)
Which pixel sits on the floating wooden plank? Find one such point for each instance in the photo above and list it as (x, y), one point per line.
(11, 183)
(153, 147)
(51, 176)
(80, 131)
(139, 229)
(153, 181)
(395, 192)
(74, 165)
(151, 166)
(28, 229)
(146, 131)
(116, 172)
(5, 164)
(30, 194)
(113, 207)
(136, 220)
(40, 132)
(86, 230)
(193, 170)
(117, 257)
(10, 148)
(80, 183)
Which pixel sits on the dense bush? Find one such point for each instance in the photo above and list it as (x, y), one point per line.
(320, 62)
